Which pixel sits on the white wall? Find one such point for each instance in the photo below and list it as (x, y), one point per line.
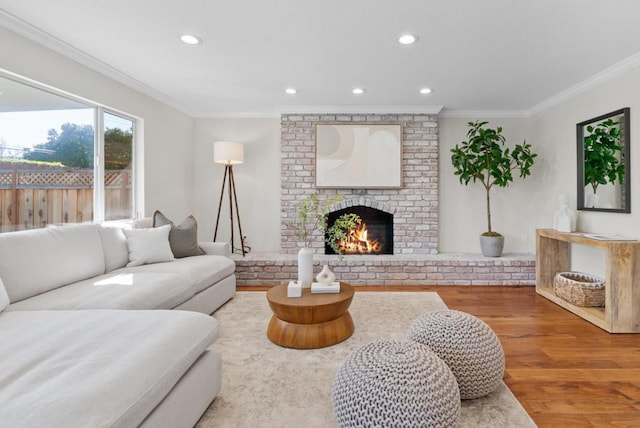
(257, 180)
(168, 133)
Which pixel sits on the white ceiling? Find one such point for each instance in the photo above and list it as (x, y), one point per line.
(506, 56)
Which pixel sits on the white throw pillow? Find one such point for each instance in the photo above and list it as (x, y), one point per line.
(148, 245)
(4, 297)
(114, 244)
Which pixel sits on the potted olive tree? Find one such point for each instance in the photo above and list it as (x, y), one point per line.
(483, 157)
(311, 223)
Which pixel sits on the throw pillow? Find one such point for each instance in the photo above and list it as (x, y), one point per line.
(148, 245)
(4, 297)
(183, 238)
(114, 244)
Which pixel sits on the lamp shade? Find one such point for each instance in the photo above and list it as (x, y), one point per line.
(228, 153)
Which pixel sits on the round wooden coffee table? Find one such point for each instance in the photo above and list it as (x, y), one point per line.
(311, 321)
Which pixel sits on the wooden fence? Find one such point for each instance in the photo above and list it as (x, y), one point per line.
(32, 199)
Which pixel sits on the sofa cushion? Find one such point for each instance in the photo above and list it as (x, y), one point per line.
(201, 271)
(39, 260)
(114, 245)
(115, 290)
(216, 248)
(4, 298)
(183, 238)
(94, 368)
(148, 245)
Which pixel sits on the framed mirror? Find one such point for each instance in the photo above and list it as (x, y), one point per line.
(604, 167)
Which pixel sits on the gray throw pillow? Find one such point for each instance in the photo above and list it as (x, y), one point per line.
(183, 238)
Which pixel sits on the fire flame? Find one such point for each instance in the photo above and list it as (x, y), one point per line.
(357, 242)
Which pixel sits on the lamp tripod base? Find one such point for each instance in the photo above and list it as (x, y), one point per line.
(233, 201)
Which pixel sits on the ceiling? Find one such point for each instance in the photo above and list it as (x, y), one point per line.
(500, 56)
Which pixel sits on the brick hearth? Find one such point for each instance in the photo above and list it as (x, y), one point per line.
(440, 269)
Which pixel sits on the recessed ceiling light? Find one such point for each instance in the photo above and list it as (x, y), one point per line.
(291, 91)
(358, 91)
(425, 91)
(190, 40)
(407, 39)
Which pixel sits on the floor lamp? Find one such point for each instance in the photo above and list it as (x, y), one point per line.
(229, 154)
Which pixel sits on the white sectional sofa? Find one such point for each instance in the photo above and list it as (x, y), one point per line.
(87, 341)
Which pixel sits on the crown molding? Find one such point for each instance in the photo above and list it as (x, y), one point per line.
(53, 43)
(517, 114)
(238, 115)
(593, 81)
(430, 110)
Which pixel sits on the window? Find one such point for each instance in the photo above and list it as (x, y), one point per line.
(62, 160)
(118, 167)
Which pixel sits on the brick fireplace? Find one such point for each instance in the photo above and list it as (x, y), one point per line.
(414, 259)
(415, 205)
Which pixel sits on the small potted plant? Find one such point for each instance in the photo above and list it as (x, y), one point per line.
(484, 158)
(311, 223)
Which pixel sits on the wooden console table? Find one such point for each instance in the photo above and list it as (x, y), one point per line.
(621, 313)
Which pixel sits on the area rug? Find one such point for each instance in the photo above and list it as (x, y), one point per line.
(265, 385)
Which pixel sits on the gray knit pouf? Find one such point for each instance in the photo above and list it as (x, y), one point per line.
(469, 347)
(395, 383)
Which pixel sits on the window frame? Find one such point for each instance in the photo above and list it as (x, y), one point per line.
(99, 110)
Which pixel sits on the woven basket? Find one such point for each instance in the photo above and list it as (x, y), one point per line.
(579, 288)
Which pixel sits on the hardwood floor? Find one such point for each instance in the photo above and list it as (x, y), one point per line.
(565, 371)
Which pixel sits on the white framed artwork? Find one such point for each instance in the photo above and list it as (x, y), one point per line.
(359, 156)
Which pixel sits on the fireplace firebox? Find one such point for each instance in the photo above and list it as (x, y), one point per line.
(374, 235)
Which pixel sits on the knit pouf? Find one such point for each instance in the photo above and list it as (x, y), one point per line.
(469, 347)
(395, 383)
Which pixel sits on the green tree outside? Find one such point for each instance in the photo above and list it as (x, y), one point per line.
(118, 146)
(73, 147)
